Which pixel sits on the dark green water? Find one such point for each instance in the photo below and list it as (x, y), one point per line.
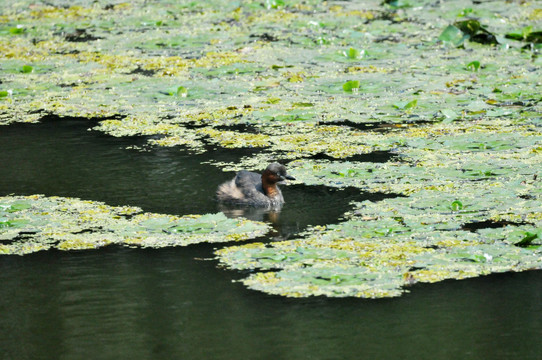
(118, 303)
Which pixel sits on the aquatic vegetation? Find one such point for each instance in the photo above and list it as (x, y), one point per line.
(329, 55)
(472, 207)
(34, 223)
(385, 247)
(450, 90)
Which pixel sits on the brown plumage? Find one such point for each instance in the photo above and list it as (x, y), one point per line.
(252, 189)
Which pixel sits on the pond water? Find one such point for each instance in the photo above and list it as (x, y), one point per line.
(175, 303)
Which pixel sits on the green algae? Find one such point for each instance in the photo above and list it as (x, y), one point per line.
(451, 89)
(33, 223)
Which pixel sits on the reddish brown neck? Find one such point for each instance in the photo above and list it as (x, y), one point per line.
(269, 187)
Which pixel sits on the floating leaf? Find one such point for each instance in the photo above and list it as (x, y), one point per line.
(351, 86)
(397, 4)
(452, 35)
(449, 114)
(466, 142)
(18, 206)
(456, 205)
(182, 91)
(405, 105)
(26, 69)
(469, 27)
(526, 35)
(16, 223)
(17, 30)
(353, 53)
(71, 224)
(274, 4)
(528, 239)
(473, 66)
(366, 257)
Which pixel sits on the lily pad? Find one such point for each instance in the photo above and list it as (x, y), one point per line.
(33, 223)
(289, 80)
(352, 85)
(383, 249)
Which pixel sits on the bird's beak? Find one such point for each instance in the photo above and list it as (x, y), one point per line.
(290, 177)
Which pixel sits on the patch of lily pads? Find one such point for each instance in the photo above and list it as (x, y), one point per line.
(450, 89)
(385, 247)
(472, 206)
(34, 223)
(282, 69)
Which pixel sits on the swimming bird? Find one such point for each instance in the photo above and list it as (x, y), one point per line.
(252, 189)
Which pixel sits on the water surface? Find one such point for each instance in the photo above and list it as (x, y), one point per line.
(173, 304)
(62, 158)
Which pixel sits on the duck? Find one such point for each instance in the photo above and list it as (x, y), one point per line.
(252, 189)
